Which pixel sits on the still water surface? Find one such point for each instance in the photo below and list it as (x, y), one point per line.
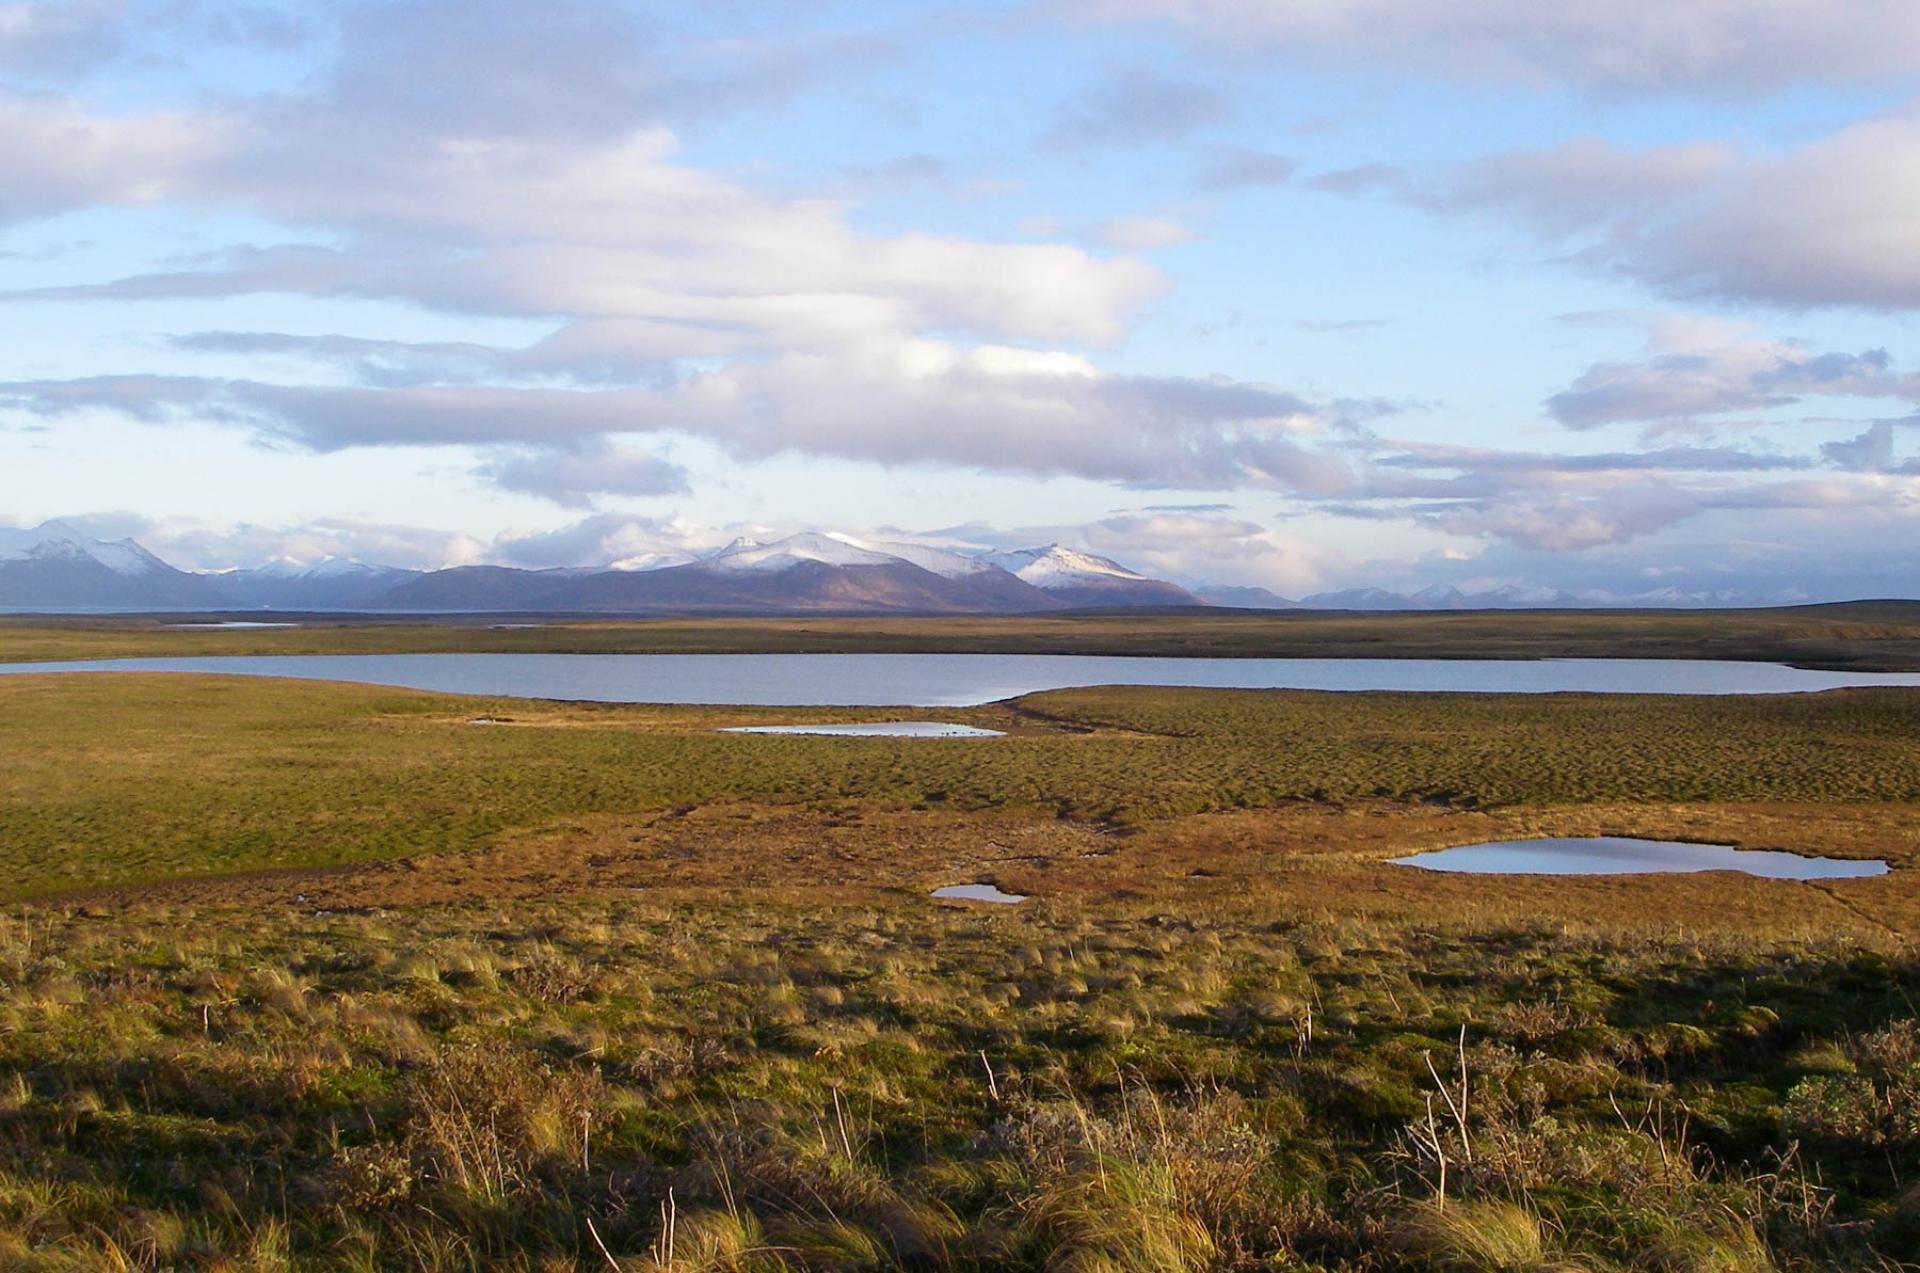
(960, 680)
(977, 893)
(877, 729)
(1619, 855)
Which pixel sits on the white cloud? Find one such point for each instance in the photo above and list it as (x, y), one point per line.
(1144, 233)
(57, 156)
(1694, 369)
(1134, 106)
(1824, 224)
(573, 476)
(1239, 168)
(1734, 46)
(1204, 548)
(194, 545)
(990, 408)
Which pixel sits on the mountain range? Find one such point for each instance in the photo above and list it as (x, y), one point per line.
(58, 567)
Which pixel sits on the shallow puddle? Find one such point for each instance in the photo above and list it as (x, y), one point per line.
(878, 729)
(1621, 855)
(977, 893)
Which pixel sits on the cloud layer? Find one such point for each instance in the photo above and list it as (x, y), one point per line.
(1730, 46)
(566, 172)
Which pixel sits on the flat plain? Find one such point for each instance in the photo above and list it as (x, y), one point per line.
(314, 976)
(1850, 636)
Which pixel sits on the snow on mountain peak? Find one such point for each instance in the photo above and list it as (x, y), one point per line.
(835, 548)
(784, 554)
(54, 540)
(1057, 564)
(641, 562)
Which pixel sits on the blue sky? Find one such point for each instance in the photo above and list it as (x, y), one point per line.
(1303, 296)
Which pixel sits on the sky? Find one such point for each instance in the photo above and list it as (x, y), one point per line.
(1304, 294)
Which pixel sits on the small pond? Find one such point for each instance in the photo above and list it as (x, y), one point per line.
(1621, 855)
(876, 729)
(212, 625)
(977, 893)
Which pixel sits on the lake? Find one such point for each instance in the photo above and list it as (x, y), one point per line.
(1621, 855)
(961, 680)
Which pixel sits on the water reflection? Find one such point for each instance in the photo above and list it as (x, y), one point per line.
(977, 893)
(877, 729)
(1621, 855)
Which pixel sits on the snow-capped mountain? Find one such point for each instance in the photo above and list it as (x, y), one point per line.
(62, 541)
(811, 572)
(784, 554)
(1082, 579)
(816, 572)
(835, 549)
(653, 560)
(56, 565)
(332, 583)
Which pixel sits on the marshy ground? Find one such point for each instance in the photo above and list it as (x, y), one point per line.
(301, 975)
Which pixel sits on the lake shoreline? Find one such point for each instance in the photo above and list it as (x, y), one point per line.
(971, 680)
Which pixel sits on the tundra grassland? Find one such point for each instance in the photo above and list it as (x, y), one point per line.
(310, 976)
(1849, 636)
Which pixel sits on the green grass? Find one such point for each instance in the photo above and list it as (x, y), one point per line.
(1861, 636)
(132, 778)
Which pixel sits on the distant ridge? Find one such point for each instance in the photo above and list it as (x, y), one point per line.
(57, 566)
(1082, 579)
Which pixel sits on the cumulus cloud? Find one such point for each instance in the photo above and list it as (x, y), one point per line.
(574, 477)
(1744, 556)
(194, 545)
(1822, 224)
(1203, 548)
(624, 540)
(1197, 545)
(1623, 510)
(1239, 168)
(1574, 503)
(59, 42)
(988, 408)
(1683, 459)
(1694, 369)
(1134, 106)
(680, 300)
(1729, 46)
(1139, 234)
(40, 40)
(59, 156)
(1870, 452)
(1583, 183)
(619, 231)
(1566, 523)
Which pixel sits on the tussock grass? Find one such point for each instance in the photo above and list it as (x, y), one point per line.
(1149, 1099)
